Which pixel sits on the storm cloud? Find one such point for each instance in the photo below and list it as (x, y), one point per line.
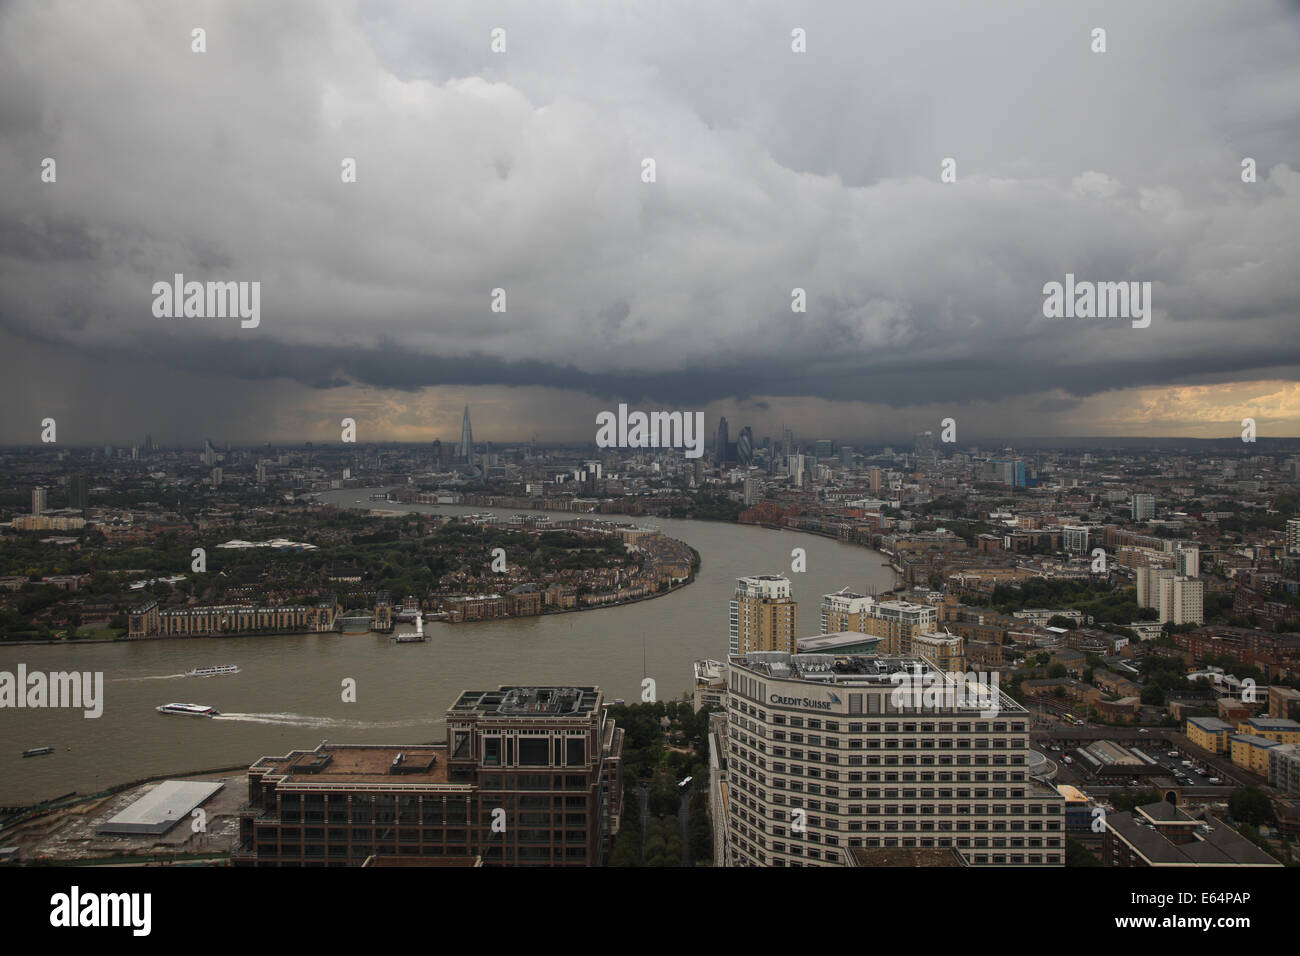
(776, 170)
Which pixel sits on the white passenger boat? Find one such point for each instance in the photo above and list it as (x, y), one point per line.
(188, 710)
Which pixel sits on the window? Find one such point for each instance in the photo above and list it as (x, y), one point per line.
(532, 752)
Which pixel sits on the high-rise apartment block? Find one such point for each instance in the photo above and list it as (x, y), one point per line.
(1148, 583)
(38, 499)
(78, 491)
(1144, 507)
(764, 615)
(824, 756)
(1180, 600)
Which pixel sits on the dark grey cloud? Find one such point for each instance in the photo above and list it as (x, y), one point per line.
(521, 171)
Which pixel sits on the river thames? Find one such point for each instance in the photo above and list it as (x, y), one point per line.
(288, 693)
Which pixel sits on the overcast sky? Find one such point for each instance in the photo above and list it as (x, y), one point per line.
(522, 170)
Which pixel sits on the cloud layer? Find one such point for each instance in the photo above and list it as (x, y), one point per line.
(522, 171)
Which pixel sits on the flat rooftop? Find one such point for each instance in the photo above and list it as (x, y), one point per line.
(359, 763)
(162, 807)
(518, 701)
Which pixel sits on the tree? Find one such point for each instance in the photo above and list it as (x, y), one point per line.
(1250, 805)
(1076, 854)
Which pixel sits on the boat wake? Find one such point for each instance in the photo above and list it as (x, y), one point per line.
(119, 680)
(304, 720)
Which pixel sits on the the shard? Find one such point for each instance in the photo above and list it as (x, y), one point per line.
(466, 439)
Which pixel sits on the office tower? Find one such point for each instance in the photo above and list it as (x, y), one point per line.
(466, 439)
(925, 445)
(787, 442)
(78, 491)
(794, 467)
(1293, 535)
(830, 758)
(1144, 507)
(1074, 538)
(1187, 560)
(846, 457)
(764, 617)
(216, 477)
(822, 448)
(543, 763)
(874, 480)
(720, 442)
(1180, 600)
(209, 453)
(148, 444)
(745, 447)
(896, 622)
(38, 499)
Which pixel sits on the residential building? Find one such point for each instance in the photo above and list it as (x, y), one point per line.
(1284, 767)
(764, 615)
(1181, 600)
(1250, 752)
(1209, 733)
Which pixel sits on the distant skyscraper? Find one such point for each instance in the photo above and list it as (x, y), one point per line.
(466, 439)
(745, 447)
(38, 499)
(720, 442)
(148, 444)
(78, 493)
(1144, 507)
(822, 448)
(925, 445)
(846, 457)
